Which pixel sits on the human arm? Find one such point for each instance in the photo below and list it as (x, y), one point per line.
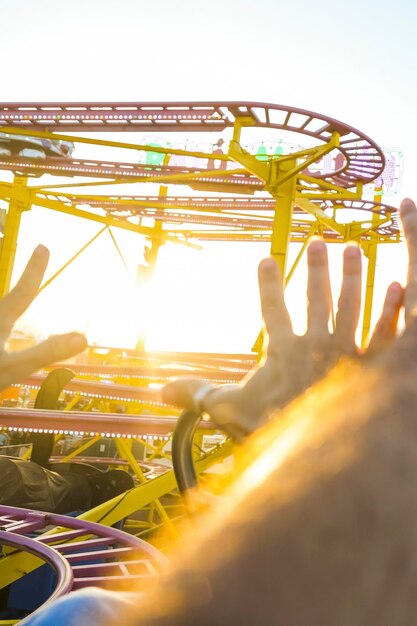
(17, 365)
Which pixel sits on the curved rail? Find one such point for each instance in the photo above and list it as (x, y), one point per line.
(189, 359)
(127, 171)
(235, 213)
(95, 389)
(81, 553)
(84, 423)
(49, 555)
(156, 374)
(364, 160)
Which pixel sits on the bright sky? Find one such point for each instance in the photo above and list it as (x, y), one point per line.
(354, 61)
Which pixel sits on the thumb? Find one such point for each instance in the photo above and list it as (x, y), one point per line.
(182, 393)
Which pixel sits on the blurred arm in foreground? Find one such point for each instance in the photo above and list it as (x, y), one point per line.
(17, 365)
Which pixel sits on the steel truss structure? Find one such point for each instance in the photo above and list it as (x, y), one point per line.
(280, 198)
(231, 196)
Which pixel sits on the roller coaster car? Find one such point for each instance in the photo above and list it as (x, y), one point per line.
(34, 147)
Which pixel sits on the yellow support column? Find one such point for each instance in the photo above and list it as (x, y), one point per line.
(370, 251)
(280, 176)
(124, 449)
(20, 202)
(157, 239)
(284, 203)
(284, 194)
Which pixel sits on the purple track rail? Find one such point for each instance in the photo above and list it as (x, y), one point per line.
(81, 553)
(85, 423)
(364, 159)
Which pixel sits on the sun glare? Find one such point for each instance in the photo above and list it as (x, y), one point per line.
(196, 301)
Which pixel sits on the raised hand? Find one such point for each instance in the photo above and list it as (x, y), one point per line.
(16, 365)
(292, 363)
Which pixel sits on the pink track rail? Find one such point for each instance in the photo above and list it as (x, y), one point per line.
(364, 160)
(84, 423)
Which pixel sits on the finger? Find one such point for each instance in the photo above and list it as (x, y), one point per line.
(408, 214)
(20, 297)
(318, 289)
(386, 326)
(17, 365)
(349, 305)
(274, 312)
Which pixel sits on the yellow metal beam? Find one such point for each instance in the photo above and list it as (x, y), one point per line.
(124, 449)
(321, 186)
(284, 204)
(5, 189)
(19, 203)
(271, 172)
(370, 250)
(356, 230)
(301, 252)
(73, 199)
(55, 205)
(281, 226)
(261, 169)
(174, 179)
(75, 256)
(320, 215)
(136, 499)
(156, 240)
(298, 164)
(112, 144)
(119, 252)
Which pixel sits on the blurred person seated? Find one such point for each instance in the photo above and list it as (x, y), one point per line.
(320, 526)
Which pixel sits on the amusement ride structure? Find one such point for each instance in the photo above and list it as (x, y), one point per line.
(249, 197)
(233, 195)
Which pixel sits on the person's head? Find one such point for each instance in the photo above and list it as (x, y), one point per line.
(321, 528)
